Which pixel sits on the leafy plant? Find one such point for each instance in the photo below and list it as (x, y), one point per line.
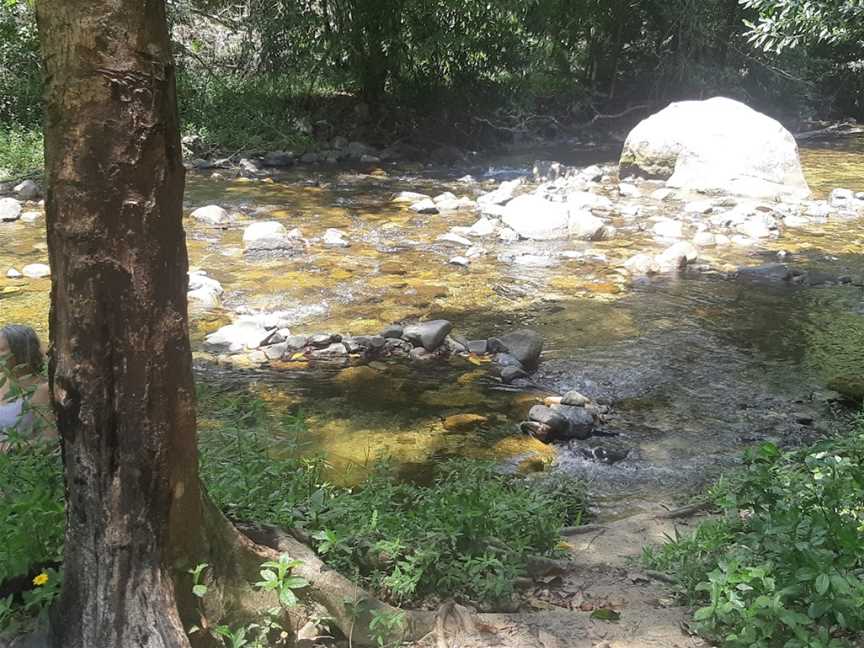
(785, 565)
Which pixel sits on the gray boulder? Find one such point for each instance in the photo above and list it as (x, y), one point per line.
(10, 210)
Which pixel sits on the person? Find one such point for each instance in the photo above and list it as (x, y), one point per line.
(24, 396)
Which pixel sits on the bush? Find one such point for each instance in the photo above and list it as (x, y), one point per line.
(785, 565)
(20, 152)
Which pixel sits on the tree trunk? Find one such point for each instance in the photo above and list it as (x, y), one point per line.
(120, 369)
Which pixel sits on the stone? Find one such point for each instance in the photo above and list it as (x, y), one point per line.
(558, 423)
(506, 360)
(270, 235)
(335, 238)
(641, 264)
(450, 237)
(27, 190)
(10, 210)
(425, 207)
(30, 216)
(276, 351)
(483, 227)
(356, 150)
(203, 290)
(704, 239)
(429, 334)
(662, 194)
(296, 342)
(322, 340)
(239, 336)
(716, 145)
(699, 207)
(536, 218)
(279, 159)
(333, 351)
(759, 226)
(668, 228)
(850, 387)
(12, 273)
(841, 197)
(627, 190)
(444, 197)
(509, 374)
(410, 197)
(419, 354)
(456, 204)
(478, 347)
(581, 422)
(461, 261)
(583, 225)
(502, 195)
(525, 345)
(588, 200)
(575, 399)
(36, 271)
(211, 215)
(676, 256)
(392, 331)
(508, 235)
(464, 422)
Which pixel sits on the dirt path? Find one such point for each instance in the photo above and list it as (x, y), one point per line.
(605, 573)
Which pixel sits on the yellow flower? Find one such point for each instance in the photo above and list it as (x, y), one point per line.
(41, 579)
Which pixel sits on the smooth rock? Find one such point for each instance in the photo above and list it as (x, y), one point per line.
(461, 261)
(525, 345)
(536, 218)
(429, 334)
(410, 197)
(676, 256)
(239, 336)
(27, 190)
(10, 210)
(501, 195)
(212, 215)
(483, 227)
(478, 347)
(425, 207)
(581, 422)
(334, 351)
(558, 423)
(335, 238)
(392, 331)
(270, 235)
(668, 228)
(12, 273)
(450, 237)
(583, 225)
(641, 264)
(36, 271)
(716, 145)
(204, 290)
(30, 216)
(575, 399)
(464, 422)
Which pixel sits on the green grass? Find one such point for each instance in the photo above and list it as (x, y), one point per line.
(784, 565)
(21, 152)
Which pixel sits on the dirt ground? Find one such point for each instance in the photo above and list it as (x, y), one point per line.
(605, 574)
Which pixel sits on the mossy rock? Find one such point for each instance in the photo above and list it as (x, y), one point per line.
(851, 387)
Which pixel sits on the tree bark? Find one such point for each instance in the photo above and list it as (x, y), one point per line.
(120, 369)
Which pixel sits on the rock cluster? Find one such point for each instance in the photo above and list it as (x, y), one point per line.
(261, 341)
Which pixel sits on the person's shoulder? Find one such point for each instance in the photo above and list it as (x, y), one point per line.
(42, 395)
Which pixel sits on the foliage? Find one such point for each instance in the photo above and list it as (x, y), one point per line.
(785, 565)
(20, 152)
(790, 23)
(264, 632)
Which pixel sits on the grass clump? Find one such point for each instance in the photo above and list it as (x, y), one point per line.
(784, 566)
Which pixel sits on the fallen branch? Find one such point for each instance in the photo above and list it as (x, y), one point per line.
(840, 129)
(687, 511)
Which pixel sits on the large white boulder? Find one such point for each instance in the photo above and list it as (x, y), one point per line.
(534, 217)
(270, 235)
(716, 145)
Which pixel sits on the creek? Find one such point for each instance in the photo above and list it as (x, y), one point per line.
(694, 366)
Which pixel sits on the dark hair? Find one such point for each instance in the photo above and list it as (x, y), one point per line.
(24, 346)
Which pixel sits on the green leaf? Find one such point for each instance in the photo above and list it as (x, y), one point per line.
(199, 590)
(287, 597)
(703, 614)
(823, 582)
(295, 582)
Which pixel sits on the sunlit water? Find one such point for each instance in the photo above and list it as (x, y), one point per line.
(694, 367)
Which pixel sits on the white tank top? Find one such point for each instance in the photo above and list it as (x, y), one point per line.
(10, 417)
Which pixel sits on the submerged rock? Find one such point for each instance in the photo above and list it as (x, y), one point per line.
(716, 145)
(525, 345)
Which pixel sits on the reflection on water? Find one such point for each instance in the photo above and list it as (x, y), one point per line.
(695, 367)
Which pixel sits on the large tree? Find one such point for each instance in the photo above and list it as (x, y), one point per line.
(120, 370)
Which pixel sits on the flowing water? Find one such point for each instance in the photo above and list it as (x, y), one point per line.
(694, 367)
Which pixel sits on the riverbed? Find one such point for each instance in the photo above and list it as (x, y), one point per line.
(693, 367)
